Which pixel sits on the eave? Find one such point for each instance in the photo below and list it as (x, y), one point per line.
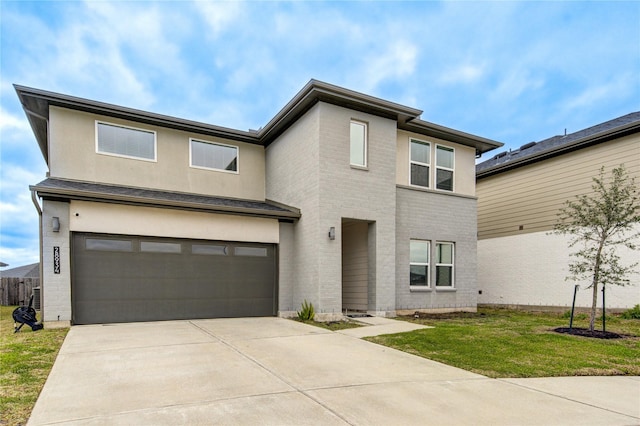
(575, 145)
(62, 189)
(36, 104)
(426, 128)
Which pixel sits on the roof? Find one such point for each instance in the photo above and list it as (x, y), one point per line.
(87, 191)
(26, 271)
(36, 103)
(558, 145)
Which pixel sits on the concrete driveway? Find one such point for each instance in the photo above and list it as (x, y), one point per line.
(263, 371)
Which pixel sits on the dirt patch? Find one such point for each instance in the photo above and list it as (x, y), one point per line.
(585, 332)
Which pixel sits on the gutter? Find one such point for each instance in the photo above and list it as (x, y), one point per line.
(34, 198)
(150, 202)
(584, 142)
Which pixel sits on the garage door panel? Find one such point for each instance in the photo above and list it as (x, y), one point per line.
(126, 279)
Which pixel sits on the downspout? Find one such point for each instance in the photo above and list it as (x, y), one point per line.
(34, 198)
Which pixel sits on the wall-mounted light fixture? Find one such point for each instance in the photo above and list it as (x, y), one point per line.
(55, 224)
(332, 233)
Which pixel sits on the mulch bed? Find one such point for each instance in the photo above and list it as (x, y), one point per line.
(585, 332)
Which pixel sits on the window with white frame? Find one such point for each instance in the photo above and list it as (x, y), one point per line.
(214, 156)
(419, 263)
(420, 162)
(358, 144)
(444, 167)
(123, 141)
(445, 258)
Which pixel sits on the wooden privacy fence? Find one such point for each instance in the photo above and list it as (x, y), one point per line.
(17, 291)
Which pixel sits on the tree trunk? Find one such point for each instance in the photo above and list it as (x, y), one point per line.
(594, 285)
(592, 318)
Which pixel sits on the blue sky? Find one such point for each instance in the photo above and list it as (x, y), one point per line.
(515, 72)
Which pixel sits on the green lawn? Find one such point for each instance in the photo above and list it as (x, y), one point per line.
(26, 358)
(504, 343)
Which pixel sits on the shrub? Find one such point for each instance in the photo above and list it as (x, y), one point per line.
(633, 313)
(307, 313)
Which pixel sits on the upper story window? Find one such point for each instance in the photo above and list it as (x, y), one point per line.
(444, 167)
(419, 263)
(420, 162)
(358, 153)
(123, 141)
(214, 156)
(444, 264)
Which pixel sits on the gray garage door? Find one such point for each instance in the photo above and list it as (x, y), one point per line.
(119, 278)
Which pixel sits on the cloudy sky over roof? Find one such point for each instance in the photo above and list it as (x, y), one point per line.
(513, 71)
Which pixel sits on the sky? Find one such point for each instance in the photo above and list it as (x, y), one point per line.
(510, 71)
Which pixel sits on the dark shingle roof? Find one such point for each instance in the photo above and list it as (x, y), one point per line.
(78, 190)
(26, 271)
(556, 145)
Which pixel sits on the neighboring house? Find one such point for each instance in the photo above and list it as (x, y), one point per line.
(17, 285)
(26, 271)
(519, 196)
(350, 202)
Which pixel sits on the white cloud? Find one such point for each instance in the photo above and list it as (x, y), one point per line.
(219, 15)
(9, 121)
(463, 74)
(18, 216)
(20, 256)
(597, 94)
(396, 61)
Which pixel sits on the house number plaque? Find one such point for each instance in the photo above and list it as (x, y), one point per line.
(56, 260)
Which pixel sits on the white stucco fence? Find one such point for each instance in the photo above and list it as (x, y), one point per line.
(530, 269)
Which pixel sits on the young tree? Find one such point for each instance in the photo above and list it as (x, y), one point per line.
(599, 223)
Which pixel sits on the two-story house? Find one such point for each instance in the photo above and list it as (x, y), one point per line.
(348, 201)
(520, 193)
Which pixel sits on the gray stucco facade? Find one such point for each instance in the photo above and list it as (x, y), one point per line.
(309, 168)
(436, 217)
(341, 232)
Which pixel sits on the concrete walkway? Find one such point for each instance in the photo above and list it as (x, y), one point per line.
(272, 371)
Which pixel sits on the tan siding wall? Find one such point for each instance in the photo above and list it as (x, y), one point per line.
(355, 265)
(464, 178)
(531, 196)
(73, 156)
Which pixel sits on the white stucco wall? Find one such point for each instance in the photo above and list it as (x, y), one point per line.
(87, 216)
(530, 269)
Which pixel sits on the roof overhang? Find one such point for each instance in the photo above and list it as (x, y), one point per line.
(62, 189)
(36, 104)
(317, 91)
(587, 141)
(426, 128)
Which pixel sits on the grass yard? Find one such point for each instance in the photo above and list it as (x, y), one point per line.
(26, 358)
(504, 343)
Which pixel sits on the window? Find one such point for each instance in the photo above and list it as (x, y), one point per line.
(419, 263)
(157, 247)
(250, 251)
(420, 161)
(358, 144)
(209, 249)
(444, 168)
(108, 245)
(444, 264)
(214, 156)
(125, 141)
